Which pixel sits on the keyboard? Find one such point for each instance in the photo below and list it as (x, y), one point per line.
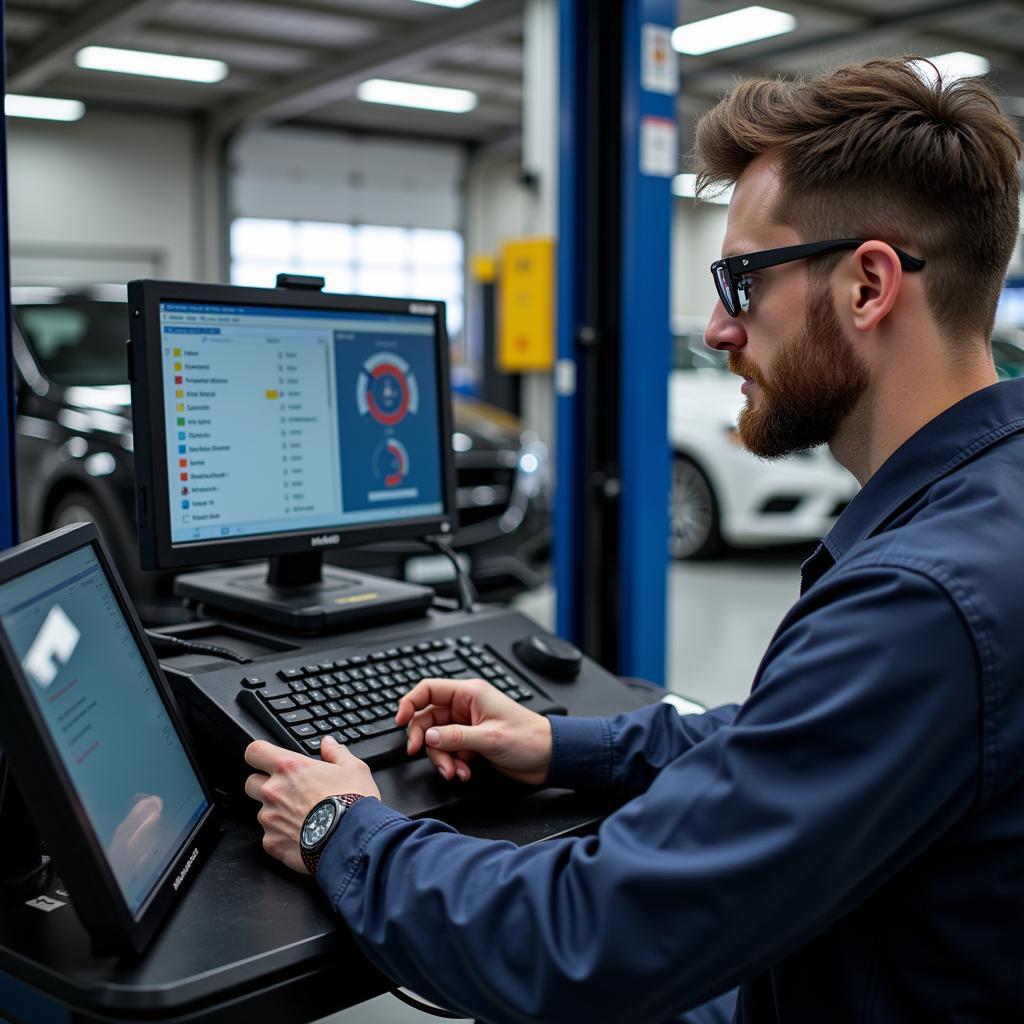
(355, 698)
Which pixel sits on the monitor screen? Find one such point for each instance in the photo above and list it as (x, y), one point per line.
(282, 418)
(107, 721)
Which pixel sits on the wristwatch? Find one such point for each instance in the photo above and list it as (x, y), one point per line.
(319, 826)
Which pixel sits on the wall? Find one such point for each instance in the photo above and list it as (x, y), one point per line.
(103, 199)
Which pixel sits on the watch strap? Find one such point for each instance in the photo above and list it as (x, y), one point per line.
(311, 858)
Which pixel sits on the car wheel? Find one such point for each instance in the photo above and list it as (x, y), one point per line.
(693, 513)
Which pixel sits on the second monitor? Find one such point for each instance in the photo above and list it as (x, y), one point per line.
(279, 423)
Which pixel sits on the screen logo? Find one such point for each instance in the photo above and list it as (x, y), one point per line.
(53, 646)
(183, 874)
(325, 540)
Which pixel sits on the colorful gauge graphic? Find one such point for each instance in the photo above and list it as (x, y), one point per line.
(391, 462)
(386, 389)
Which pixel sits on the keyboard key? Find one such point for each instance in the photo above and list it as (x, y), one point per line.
(346, 690)
(289, 673)
(294, 717)
(353, 734)
(253, 683)
(332, 692)
(352, 717)
(357, 660)
(282, 704)
(405, 649)
(340, 737)
(376, 728)
(323, 725)
(313, 744)
(367, 715)
(318, 711)
(348, 703)
(297, 686)
(338, 722)
(341, 677)
(309, 670)
(317, 695)
(326, 666)
(304, 730)
(525, 694)
(423, 645)
(301, 699)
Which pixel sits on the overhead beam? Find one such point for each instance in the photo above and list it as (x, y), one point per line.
(311, 91)
(53, 52)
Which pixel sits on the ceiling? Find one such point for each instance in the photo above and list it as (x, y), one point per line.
(300, 60)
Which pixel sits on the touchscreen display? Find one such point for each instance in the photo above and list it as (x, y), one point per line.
(107, 719)
(280, 419)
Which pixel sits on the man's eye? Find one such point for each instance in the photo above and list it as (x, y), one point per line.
(745, 285)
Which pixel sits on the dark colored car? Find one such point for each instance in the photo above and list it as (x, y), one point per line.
(76, 461)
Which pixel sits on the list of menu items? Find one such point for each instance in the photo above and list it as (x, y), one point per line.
(250, 428)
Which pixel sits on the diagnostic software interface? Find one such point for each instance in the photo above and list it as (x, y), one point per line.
(283, 419)
(107, 720)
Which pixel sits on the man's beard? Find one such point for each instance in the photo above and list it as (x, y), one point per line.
(811, 385)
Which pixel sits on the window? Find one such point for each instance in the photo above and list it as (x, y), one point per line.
(365, 259)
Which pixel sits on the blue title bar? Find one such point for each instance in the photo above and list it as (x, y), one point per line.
(286, 311)
(191, 330)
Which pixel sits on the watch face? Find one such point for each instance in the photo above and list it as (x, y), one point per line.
(317, 823)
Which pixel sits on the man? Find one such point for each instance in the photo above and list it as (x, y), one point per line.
(848, 845)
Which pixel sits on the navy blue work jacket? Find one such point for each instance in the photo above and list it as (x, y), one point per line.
(847, 845)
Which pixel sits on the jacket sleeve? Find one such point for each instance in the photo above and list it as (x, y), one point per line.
(858, 747)
(625, 752)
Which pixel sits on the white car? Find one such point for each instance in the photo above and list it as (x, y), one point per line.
(723, 495)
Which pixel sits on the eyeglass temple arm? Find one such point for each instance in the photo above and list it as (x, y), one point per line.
(740, 265)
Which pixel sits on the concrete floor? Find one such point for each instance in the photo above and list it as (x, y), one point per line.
(721, 616)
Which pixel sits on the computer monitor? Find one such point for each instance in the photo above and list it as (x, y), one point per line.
(94, 739)
(282, 422)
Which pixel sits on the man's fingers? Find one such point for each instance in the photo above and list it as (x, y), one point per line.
(263, 756)
(422, 721)
(429, 691)
(479, 738)
(254, 787)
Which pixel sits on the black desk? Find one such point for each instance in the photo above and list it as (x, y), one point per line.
(252, 940)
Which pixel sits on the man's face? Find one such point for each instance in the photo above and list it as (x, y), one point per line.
(801, 374)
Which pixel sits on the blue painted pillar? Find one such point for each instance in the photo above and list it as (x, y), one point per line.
(8, 463)
(650, 157)
(618, 151)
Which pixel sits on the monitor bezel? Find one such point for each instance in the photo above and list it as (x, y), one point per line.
(149, 426)
(49, 793)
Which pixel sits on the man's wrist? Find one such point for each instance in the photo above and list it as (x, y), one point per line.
(320, 824)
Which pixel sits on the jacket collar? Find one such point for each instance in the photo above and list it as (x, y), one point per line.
(940, 446)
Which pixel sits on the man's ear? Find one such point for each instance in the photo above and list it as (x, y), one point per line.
(872, 284)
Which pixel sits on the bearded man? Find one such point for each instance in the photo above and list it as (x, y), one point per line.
(848, 844)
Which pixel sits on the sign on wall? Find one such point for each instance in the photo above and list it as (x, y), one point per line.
(526, 332)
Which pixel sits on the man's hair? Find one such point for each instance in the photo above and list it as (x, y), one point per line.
(883, 150)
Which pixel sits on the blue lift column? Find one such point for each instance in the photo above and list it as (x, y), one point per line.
(8, 462)
(618, 154)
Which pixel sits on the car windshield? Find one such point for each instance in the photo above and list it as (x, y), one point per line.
(690, 353)
(1008, 357)
(78, 341)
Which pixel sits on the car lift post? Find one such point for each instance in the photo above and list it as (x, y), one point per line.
(618, 151)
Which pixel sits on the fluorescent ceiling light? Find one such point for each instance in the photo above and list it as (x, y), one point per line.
(43, 107)
(732, 29)
(448, 3)
(685, 185)
(952, 66)
(423, 97)
(155, 65)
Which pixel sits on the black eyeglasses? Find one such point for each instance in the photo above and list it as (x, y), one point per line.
(732, 275)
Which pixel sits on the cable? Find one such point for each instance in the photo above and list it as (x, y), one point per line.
(467, 593)
(164, 643)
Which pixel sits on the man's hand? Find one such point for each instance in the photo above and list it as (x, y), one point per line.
(457, 718)
(290, 785)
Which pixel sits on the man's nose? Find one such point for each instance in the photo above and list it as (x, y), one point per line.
(724, 332)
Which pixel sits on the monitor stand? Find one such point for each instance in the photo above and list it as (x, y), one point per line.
(299, 594)
(24, 869)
